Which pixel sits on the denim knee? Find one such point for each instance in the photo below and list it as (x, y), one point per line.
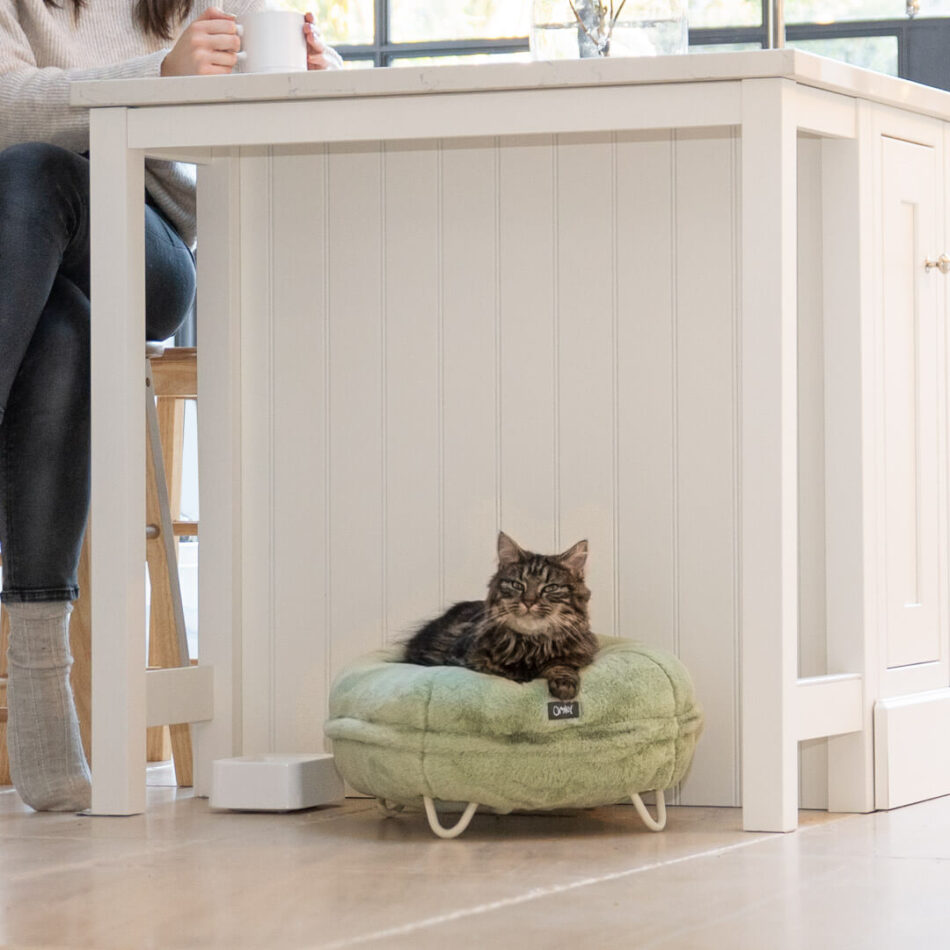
(169, 277)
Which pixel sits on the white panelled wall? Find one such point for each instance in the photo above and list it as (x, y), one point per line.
(463, 366)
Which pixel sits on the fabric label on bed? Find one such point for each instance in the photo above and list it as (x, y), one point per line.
(564, 710)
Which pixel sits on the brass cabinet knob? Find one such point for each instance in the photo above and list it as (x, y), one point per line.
(942, 263)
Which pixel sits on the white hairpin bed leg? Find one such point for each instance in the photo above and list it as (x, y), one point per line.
(389, 809)
(457, 828)
(660, 822)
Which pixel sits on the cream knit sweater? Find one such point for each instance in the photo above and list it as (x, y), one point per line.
(43, 49)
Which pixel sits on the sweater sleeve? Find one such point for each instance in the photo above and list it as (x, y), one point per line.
(34, 101)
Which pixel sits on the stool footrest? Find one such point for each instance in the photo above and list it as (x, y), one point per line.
(179, 694)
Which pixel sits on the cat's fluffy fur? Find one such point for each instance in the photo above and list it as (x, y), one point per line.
(533, 623)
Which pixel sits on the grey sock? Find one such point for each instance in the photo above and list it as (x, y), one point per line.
(47, 763)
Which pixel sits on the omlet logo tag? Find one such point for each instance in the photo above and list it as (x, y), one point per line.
(564, 710)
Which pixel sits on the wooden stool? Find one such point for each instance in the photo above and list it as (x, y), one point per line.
(171, 378)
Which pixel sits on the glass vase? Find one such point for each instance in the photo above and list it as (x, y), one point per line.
(568, 29)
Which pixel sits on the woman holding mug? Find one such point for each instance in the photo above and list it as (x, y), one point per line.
(44, 322)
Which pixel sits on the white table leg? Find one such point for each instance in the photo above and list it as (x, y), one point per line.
(219, 461)
(769, 458)
(118, 468)
(850, 466)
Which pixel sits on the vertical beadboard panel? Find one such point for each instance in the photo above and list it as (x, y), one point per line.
(812, 647)
(706, 543)
(413, 385)
(300, 558)
(529, 314)
(585, 350)
(257, 475)
(470, 367)
(356, 386)
(522, 334)
(645, 373)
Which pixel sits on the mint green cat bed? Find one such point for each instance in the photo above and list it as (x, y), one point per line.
(411, 735)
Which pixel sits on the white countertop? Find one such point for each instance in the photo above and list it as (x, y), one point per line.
(795, 65)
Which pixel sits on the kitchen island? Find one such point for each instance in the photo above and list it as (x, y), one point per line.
(691, 308)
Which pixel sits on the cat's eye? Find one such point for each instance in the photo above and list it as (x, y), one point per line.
(513, 585)
(553, 589)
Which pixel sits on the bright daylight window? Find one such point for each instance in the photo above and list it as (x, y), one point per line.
(868, 33)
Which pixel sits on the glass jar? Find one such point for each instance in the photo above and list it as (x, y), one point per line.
(568, 29)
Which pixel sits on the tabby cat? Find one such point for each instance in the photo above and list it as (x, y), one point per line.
(533, 623)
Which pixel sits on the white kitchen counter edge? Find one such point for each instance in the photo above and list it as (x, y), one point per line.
(804, 68)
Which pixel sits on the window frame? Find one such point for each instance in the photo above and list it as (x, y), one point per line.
(383, 51)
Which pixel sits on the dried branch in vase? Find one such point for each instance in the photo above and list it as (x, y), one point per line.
(606, 20)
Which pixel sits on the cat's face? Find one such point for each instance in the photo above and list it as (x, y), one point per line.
(533, 593)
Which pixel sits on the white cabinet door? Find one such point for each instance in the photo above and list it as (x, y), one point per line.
(911, 358)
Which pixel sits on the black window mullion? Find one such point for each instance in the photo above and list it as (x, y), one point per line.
(391, 51)
(381, 32)
(844, 30)
(716, 36)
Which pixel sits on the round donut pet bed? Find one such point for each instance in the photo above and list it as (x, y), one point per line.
(413, 735)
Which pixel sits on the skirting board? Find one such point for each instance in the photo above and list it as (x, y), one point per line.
(902, 726)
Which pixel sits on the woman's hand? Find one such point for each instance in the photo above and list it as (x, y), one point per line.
(207, 47)
(319, 55)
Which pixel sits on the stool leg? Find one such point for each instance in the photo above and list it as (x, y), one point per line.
(171, 425)
(158, 747)
(168, 643)
(171, 429)
(80, 645)
(4, 640)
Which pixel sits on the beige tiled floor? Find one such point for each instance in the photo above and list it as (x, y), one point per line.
(185, 876)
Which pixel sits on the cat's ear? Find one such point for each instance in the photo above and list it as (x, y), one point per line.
(508, 550)
(575, 558)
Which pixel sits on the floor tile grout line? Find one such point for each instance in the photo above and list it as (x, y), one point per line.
(534, 894)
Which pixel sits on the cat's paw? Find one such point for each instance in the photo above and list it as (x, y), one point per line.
(564, 685)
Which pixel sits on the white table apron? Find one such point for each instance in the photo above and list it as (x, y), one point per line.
(752, 93)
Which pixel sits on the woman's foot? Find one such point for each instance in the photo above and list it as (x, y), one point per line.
(47, 762)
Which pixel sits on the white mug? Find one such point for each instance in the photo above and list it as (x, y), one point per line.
(272, 41)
